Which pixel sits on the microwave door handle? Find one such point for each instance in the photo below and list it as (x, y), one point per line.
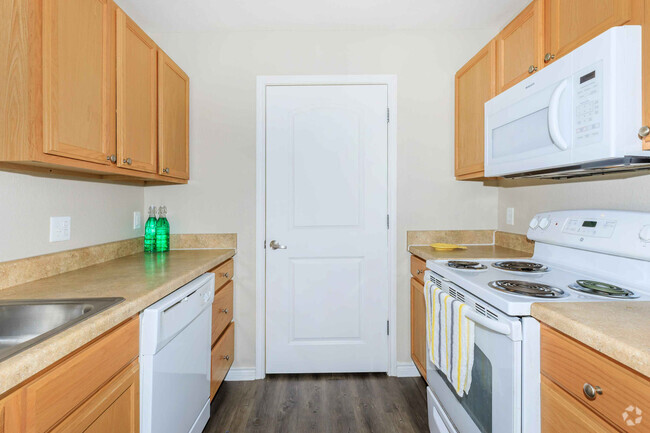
(554, 117)
(490, 324)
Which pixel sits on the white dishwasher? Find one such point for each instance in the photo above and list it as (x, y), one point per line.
(175, 360)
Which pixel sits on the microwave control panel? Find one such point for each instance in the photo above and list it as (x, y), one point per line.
(588, 103)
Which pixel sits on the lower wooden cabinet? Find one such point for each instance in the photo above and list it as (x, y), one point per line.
(223, 355)
(418, 327)
(114, 408)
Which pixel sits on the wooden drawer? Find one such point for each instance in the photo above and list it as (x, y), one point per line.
(418, 266)
(223, 273)
(60, 390)
(562, 413)
(418, 327)
(223, 354)
(571, 365)
(222, 309)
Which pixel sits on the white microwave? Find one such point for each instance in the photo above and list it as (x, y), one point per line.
(577, 116)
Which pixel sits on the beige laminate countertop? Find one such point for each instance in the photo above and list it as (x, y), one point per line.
(618, 329)
(141, 279)
(474, 252)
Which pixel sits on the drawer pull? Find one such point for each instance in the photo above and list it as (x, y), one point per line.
(419, 271)
(226, 275)
(227, 357)
(591, 391)
(224, 310)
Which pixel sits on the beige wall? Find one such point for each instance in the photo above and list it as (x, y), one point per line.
(99, 212)
(220, 196)
(529, 197)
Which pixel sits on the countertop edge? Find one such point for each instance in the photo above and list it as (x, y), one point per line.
(454, 254)
(20, 368)
(634, 359)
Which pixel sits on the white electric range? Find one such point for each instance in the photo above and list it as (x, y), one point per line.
(580, 256)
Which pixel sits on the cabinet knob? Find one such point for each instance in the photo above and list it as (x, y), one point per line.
(226, 275)
(111, 158)
(644, 131)
(532, 68)
(166, 170)
(548, 57)
(227, 357)
(419, 271)
(224, 311)
(591, 391)
(127, 161)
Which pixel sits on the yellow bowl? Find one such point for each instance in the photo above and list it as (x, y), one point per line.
(447, 247)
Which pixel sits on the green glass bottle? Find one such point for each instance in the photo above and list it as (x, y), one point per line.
(162, 230)
(150, 231)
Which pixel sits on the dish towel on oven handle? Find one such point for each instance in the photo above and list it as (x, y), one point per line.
(450, 337)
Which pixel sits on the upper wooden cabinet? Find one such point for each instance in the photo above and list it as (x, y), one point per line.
(137, 97)
(79, 93)
(475, 84)
(173, 119)
(571, 23)
(520, 46)
(78, 108)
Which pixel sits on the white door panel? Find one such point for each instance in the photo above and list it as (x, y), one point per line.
(327, 293)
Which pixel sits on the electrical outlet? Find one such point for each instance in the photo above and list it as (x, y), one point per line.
(59, 229)
(137, 220)
(510, 216)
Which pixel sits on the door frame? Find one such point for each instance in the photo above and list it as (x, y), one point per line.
(260, 202)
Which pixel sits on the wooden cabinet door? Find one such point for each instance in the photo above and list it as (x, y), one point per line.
(571, 23)
(12, 410)
(418, 327)
(222, 357)
(137, 97)
(562, 413)
(114, 408)
(520, 46)
(173, 119)
(78, 98)
(475, 85)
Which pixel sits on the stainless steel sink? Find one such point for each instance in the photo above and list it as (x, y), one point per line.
(24, 323)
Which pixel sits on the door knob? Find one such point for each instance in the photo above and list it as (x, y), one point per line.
(548, 57)
(111, 158)
(275, 245)
(532, 68)
(166, 170)
(128, 161)
(591, 391)
(644, 131)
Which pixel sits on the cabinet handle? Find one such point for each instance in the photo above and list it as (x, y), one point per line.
(532, 68)
(227, 357)
(111, 158)
(591, 392)
(166, 170)
(548, 57)
(128, 161)
(644, 131)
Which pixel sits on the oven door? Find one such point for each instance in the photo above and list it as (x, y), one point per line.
(529, 126)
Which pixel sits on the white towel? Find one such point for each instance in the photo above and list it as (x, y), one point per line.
(450, 337)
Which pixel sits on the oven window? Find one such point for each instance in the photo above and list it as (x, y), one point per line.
(478, 402)
(523, 135)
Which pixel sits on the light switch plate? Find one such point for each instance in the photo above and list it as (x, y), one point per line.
(59, 229)
(137, 220)
(510, 216)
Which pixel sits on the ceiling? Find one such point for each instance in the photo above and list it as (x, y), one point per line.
(160, 16)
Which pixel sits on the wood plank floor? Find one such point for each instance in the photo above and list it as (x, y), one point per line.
(327, 403)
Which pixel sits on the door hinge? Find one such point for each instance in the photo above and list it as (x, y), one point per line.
(387, 115)
(264, 244)
(388, 221)
(387, 327)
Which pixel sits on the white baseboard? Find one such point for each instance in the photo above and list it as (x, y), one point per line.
(240, 374)
(406, 369)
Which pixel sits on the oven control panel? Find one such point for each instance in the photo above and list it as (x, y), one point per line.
(598, 228)
(614, 232)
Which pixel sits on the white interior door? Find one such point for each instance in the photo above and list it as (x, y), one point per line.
(327, 202)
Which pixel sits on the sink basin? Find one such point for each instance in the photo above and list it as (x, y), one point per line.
(24, 323)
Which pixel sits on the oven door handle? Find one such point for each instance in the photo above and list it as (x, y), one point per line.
(492, 325)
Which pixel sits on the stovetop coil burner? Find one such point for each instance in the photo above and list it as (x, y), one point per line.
(602, 289)
(520, 266)
(527, 288)
(466, 266)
